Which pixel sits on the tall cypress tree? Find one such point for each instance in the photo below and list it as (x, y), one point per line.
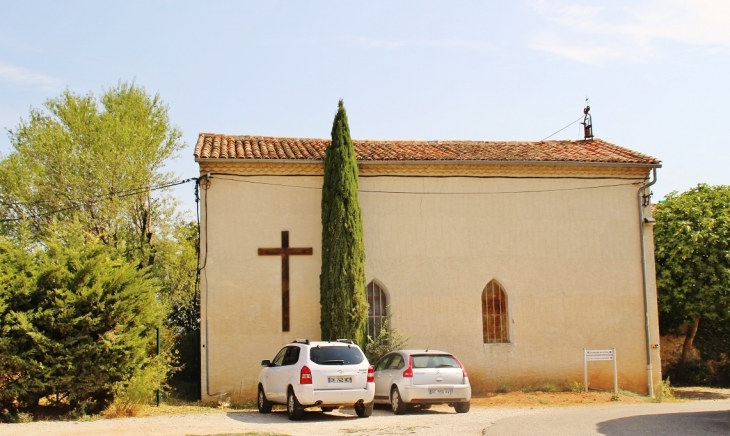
(342, 281)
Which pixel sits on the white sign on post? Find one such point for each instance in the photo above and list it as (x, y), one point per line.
(597, 355)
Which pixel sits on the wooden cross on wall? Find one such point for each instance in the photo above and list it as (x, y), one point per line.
(285, 251)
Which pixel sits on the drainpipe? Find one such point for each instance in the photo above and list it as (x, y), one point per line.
(207, 291)
(642, 189)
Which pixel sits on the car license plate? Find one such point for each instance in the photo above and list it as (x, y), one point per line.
(440, 391)
(339, 379)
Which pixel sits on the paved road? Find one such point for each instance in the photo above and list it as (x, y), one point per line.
(670, 419)
(690, 418)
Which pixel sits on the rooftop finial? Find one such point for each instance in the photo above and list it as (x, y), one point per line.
(587, 123)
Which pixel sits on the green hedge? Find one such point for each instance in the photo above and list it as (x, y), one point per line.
(76, 325)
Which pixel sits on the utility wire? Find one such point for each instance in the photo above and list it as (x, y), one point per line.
(527, 191)
(562, 129)
(80, 203)
(369, 191)
(117, 194)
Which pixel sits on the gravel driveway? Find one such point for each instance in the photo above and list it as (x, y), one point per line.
(437, 421)
(440, 420)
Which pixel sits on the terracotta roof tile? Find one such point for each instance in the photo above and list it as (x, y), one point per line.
(215, 146)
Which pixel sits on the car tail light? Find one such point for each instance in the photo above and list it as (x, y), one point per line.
(463, 370)
(305, 376)
(371, 374)
(409, 371)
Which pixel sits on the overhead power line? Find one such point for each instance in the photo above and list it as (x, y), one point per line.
(80, 203)
(580, 118)
(375, 191)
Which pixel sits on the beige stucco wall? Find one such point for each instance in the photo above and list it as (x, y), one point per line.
(568, 258)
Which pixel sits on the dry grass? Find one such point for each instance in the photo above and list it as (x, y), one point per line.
(527, 398)
(552, 399)
(177, 407)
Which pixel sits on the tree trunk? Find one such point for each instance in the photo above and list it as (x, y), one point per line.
(689, 339)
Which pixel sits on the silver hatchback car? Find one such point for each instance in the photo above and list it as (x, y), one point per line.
(418, 377)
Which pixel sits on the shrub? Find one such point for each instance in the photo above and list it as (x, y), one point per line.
(186, 382)
(722, 373)
(664, 391)
(503, 388)
(19, 418)
(574, 386)
(386, 341)
(76, 324)
(551, 386)
(131, 395)
(691, 373)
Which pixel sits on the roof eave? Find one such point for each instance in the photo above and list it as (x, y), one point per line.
(435, 162)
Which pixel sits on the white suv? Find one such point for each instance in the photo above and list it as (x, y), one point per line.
(325, 374)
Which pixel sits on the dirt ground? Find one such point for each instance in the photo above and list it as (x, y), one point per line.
(243, 419)
(532, 399)
(517, 399)
(702, 393)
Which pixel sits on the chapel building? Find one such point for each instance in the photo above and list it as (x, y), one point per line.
(514, 256)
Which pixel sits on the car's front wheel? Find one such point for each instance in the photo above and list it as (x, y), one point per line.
(462, 407)
(263, 403)
(363, 410)
(294, 410)
(396, 404)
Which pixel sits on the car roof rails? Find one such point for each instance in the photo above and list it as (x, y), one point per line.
(346, 341)
(300, 341)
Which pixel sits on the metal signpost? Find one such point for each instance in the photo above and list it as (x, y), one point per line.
(592, 355)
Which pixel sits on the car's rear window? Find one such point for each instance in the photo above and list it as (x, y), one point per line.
(434, 361)
(335, 355)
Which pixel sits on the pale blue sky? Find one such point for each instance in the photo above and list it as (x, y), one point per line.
(656, 71)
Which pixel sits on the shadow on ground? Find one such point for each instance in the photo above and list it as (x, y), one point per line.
(702, 393)
(674, 424)
(313, 415)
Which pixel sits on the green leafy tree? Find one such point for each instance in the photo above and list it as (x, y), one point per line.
(92, 161)
(176, 263)
(692, 240)
(88, 163)
(85, 165)
(77, 325)
(342, 281)
(176, 266)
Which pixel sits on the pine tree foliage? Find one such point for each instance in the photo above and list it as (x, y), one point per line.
(89, 160)
(76, 324)
(342, 281)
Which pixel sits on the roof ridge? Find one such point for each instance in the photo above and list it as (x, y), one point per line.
(255, 147)
(437, 141)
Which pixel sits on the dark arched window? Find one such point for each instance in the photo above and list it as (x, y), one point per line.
(377, 310)
(495, 321)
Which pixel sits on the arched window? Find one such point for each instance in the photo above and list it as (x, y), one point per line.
(495, 321)
(377, 310)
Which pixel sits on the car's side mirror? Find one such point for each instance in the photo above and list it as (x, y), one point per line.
(266, 362)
